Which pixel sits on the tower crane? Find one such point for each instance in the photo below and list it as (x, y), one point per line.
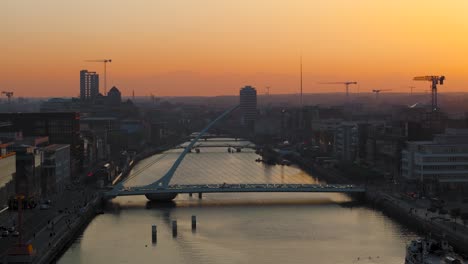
(434, 81)
(8, 94)
(377, 92)
(345, 83)
(105, 71)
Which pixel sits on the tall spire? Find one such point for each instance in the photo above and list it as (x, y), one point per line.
(301, 80)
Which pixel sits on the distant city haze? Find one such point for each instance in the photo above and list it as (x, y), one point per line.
(212, 47)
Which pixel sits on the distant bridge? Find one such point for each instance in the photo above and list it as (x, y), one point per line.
(243, 188)
(217, 145)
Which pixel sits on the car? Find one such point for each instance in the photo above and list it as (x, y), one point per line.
(11, 229)
(5, 233)
(44, 207)
(15, 234)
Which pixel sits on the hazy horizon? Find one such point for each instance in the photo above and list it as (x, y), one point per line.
(210, 48)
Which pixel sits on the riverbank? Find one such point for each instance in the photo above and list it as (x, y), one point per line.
(406, 212)
(69, 231)
(417, 217)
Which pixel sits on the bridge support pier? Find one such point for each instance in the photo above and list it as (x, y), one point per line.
(190, 194)
(161, 197)
(200, 195)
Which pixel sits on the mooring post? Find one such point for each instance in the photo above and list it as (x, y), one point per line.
(194, 222)
(154, 234)
(174, 228)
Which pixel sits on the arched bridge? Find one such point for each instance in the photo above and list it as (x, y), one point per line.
(162, 189)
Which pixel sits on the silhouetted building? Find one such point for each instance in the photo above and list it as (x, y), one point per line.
(89, 85)
(27, 177)
(346, 141)
(61, 128)
(248, 106)
(61, 105)
(114, 97)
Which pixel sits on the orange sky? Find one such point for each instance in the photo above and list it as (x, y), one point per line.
(212, 47)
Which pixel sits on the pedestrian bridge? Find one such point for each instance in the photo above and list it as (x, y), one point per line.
(163, 189)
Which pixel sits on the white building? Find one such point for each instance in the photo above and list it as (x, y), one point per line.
(439, 165)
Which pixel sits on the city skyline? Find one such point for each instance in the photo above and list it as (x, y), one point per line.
(209, 48)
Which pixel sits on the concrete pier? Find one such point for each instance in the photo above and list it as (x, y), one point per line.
(200, 195)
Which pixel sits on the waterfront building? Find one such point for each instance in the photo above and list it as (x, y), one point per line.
(7, 171)
(61, 128)
(89, 85)
(55, 168)
(438, 166)
(27, 177)
(346, 141)
(248, 106)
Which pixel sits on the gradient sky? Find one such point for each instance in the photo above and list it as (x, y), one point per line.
(213, 47)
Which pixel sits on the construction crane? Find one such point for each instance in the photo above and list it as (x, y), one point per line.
(9, 95)
(434, 81)
(377, 92)
(105, 71)
(345, 83)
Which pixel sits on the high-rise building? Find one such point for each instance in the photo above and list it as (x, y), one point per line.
(89, 85)
(248, 106)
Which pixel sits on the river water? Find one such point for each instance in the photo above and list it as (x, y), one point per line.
(237, 228)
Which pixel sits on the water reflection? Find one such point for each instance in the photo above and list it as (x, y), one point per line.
(238, 228)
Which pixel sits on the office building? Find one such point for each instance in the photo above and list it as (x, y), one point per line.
(55, 168)
(346, 141)
(248, 106)
(61, 128)
(439, 165)
(89, 85)
(7, 172)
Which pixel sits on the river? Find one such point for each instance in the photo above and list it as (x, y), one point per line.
(237, 228)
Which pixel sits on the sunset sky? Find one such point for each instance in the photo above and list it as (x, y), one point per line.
(213, 47)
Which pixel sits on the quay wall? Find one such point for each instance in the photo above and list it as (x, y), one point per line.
(395, 208)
